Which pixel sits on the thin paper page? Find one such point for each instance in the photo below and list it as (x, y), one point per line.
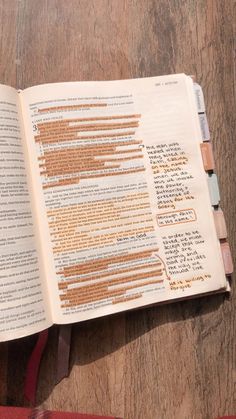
(22, 300)
(122, 196)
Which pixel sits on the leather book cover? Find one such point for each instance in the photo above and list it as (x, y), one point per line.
(28, 413)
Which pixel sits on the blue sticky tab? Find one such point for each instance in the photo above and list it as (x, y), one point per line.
(204, 127)
(213, 189)
(199, 98)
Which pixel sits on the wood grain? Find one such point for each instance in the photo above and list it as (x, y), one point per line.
(168, 362)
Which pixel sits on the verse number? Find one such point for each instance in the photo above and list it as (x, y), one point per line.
(34, 128)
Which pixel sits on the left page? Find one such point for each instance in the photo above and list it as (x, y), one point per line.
(24, 309)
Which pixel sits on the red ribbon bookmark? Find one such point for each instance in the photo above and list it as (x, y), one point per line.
(63, 353)
(32, 369)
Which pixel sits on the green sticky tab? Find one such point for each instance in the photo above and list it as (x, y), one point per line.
(213, 189)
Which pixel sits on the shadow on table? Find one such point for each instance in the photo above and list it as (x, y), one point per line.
(95, 339)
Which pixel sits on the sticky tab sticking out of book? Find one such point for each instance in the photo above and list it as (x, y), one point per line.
(213, 189)
(219, 219)
(204, 127)
(207, 156)
(227, 258)
(199, 98)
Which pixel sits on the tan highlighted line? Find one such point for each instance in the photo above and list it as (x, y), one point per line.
(84, 128)
(115, 281)
(86, 137)
(94, 127)
(71, 107)
(110, 211)
(100, 156)
(64, 284)
(103, 286)
(84, 214)
(76, 302)
(46, 125)
(61, 163)
(82, 149)
(87, 221)
(104, 263)
(110, 160)
(110, 152)
(96, 203)
(79, 168)
(57, 232)
(94, 156)
(103, 294)
(73, 181)
(92, 147)
(90, 127)
(84, 241)
(100, 160)
(62, 183)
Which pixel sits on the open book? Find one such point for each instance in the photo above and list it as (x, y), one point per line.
(105, 202)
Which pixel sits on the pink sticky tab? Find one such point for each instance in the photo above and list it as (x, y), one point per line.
(220, 225)
(227, 258)
(207, 156)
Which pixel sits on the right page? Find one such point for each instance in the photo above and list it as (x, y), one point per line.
(122, 196)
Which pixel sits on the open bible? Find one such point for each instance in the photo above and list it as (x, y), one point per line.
(108, 202)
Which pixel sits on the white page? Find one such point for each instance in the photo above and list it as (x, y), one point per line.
(23, 306)
(123, 207)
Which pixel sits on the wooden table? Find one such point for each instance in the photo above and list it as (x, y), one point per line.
(169, 362)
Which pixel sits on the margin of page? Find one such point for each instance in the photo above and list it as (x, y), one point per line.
(198, 135)
(34, 213)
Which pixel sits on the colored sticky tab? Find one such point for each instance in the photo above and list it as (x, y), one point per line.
(228, 289)
(213, 189)
(227, 258)
(204, 127)
(220, 224)
(199, 98)
(193, 77)
(207, 156)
